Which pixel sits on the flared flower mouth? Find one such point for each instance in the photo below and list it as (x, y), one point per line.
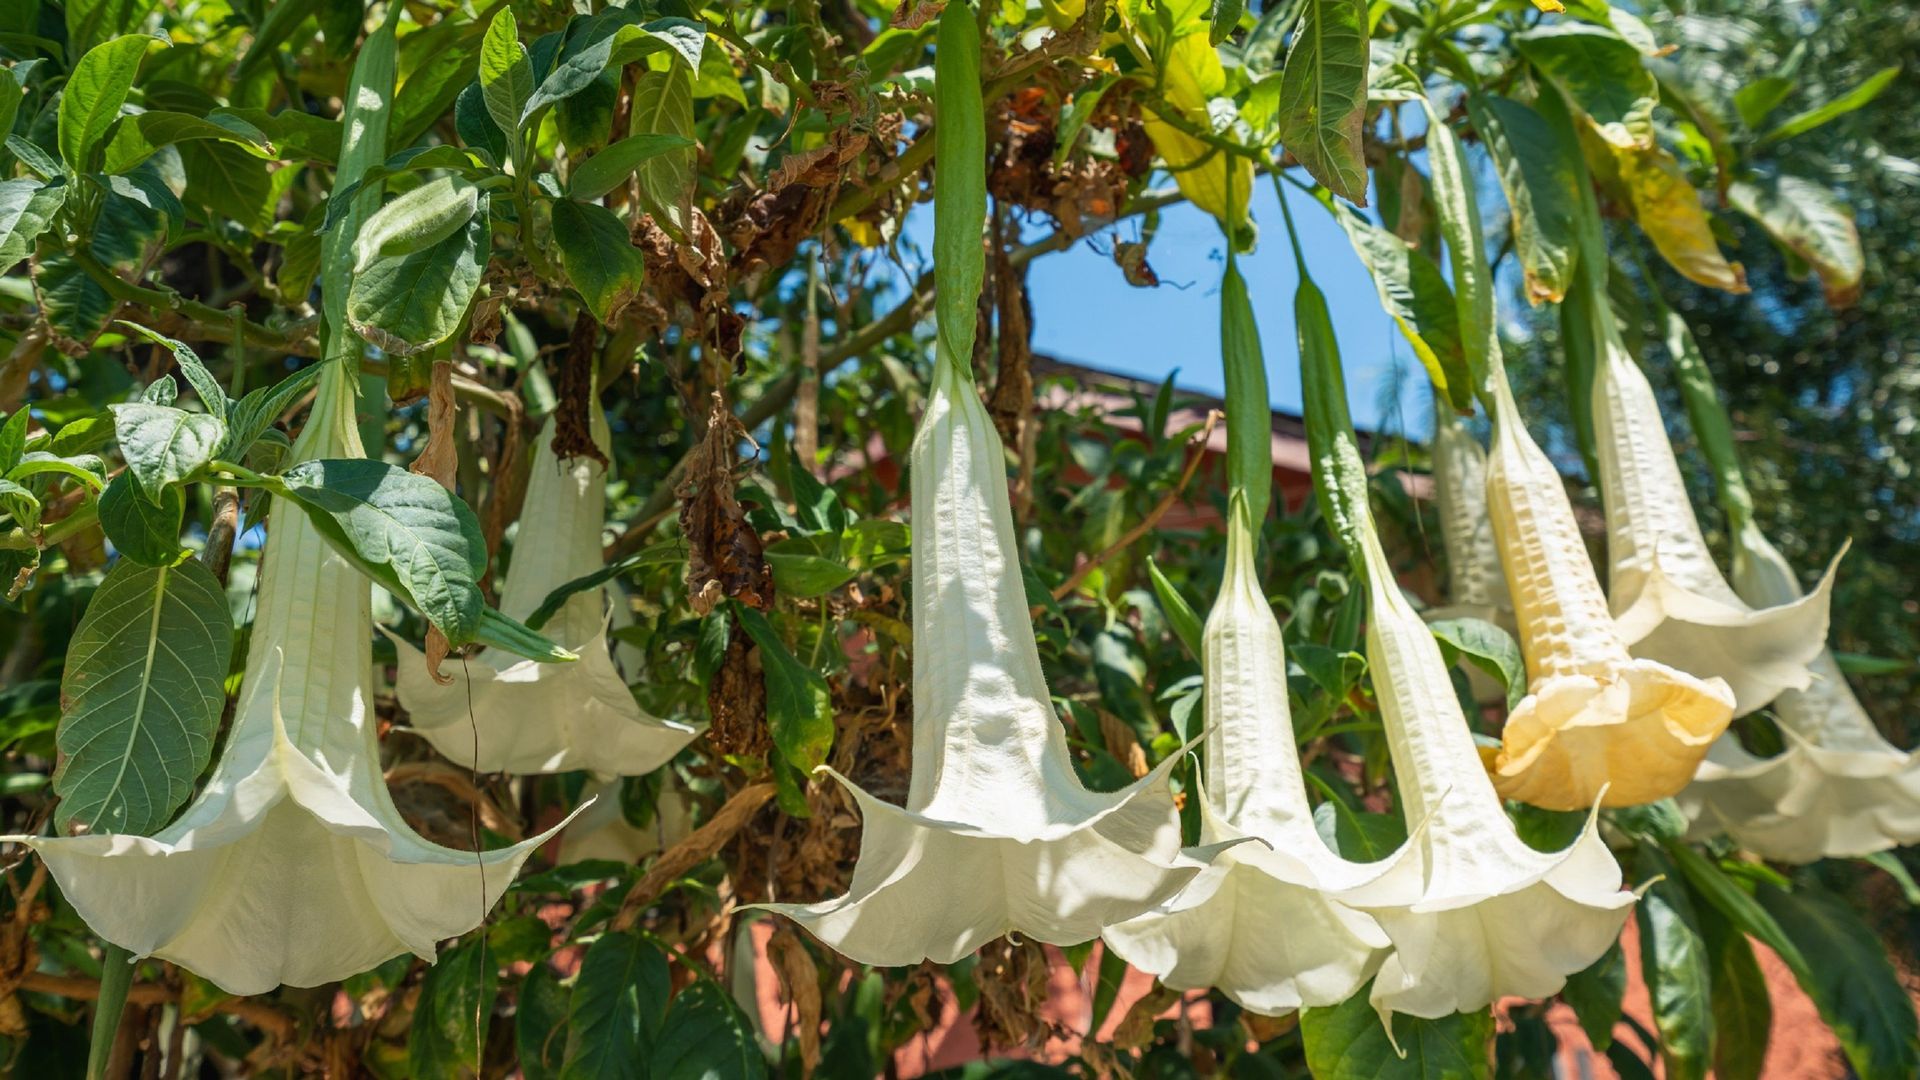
(501, 713)
(1670, 599)
(1594, 719)
(292, 865)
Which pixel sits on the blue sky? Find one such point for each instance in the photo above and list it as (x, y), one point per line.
(1085, 312)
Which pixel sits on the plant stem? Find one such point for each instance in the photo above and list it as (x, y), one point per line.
(116, 976)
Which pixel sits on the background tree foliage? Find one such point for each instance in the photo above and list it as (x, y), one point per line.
(700, 212)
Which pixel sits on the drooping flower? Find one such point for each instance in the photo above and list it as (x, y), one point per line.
(1491, 917)
(1476, 586)
(501, 713)
(602, 831)
(1596, 724)
(1838, 789)
(998, 834)
(293, 865)
(1220, 931)
(1670, 600)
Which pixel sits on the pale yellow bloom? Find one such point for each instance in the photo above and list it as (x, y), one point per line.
(502, 713)
(1670, 599)
(293, 865)
(1838, 789)
(997, 835)
(1476, 587)
(1220, 931)
(1596, 724)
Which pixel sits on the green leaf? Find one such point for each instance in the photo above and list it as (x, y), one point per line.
(801, 571)
(1679, 973)
(409, 304)
(1859, 96)
(1536, 172)
(663, 105)
(89, 470)
(73, 304)
(417, 220)
(1459, 212)
(598, 255)
(960, 186)
(1180, 615)
(799, 707)
(13, 438)
(91, 100)
(1596, 994)
(191, 366)
(253, 414)
(226, 181)
(506, 75)
(1488, 648)
(27, 207)
(1348, 1042)
(706, 1037)
(414, 537)
(19, 503)
(1601, 74)
(684, 38)
(449, 1027)
(1756, 99)
(1323, 96)
(164, 445)
(1415, 293)
(610, 168)
(1359, 835)
(540, 1023)
(618, 1006)
(1812, 222)
(1742, 1010)
(144, 687)
(1859, 993)
(142, 135)
(143, 529)
(1725, 895)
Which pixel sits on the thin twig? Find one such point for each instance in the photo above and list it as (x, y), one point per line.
(1196, 455)
(260, 1015)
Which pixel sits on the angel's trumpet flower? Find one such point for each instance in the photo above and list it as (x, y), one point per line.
(1493, 916)
(998, 834)
(1596, 724)
(1220, 930)
(602, 830)
(293, 865)
(1476, 588)
(501, 713)
(1670, 599)
(1839, 789)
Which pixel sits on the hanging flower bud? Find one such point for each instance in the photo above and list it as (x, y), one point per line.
(501, 713)
(1219, 931)
(1494, 918)
(1670, 599)
(1596, 723)
(993, 796)
(293, 865)
(1839, 789)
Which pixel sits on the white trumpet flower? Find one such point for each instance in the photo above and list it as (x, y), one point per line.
(1670, 599)
(502, 713)
(1838, 789)
(293, 865)
(1219, 931)
(602, 831)
(1596, 723)
(997, 835)
(1476, 587)
(1491, 917)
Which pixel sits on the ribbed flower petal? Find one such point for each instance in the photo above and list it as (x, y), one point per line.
(1476, 586)
(293, 865)
(1596, 723)
(1491, 917)
(1219, 931)
(998, 834)
(1671, 601)
(502, 713)
(1839, 788)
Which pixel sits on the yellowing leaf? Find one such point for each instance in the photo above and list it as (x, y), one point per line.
(1213, 179)
(1669, 211)
(1813, 223)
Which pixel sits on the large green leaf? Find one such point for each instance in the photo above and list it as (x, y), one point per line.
(610, 168)
(1852, 981)
(1536, 172)
(140, 136)
(1459, 211)
(686, 40)
(1347, 1042)
(1323, 95)
(417, 220)
(706, 1037)
(27, 207)
(799, 706)
(1414, 291)
(408, 304)
(506, 75)
(540, 1022)
(1812, 222)
(598, 255)
(663, 105)
(146, 530)
(1859, 96)
(1678, 970)
(448, 1031)
(1601, 74)
(91, 100)
(74, 305)
(619, 1004)
(144, 687)
(164, 445)
(1742, 1010)
(197, 374)
(1488, 648)
(1596, 994)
